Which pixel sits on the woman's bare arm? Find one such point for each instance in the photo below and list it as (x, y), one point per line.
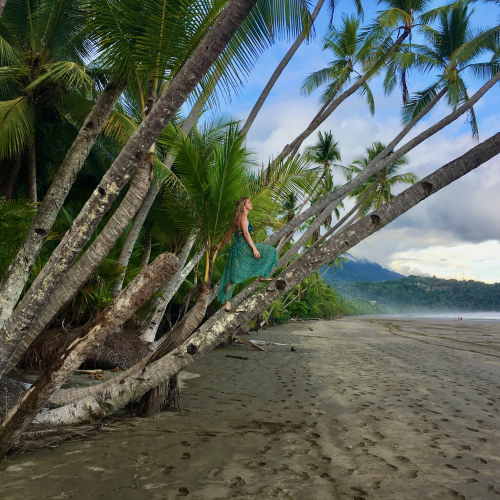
(244, 227)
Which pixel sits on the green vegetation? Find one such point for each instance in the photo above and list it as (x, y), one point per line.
(416, 293)
(313, 298)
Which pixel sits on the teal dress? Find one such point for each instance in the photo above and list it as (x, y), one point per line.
(242, 265)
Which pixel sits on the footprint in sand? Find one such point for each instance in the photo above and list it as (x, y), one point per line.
(186, 456)
(236, 482)
(182, 491)
(402, 459)
(456, 494)
(185, 443)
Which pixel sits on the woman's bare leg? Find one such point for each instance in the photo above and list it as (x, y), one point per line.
(229, 285)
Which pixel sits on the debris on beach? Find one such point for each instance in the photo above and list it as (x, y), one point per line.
(237, 357)
(293, 349)
(249, 343)
(265, 342)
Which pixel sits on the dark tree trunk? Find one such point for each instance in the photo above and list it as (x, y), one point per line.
(120, 172)
(9, 178)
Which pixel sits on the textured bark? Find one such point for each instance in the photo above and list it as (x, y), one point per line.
(9, 180)
(374, 167)
(17, 274)
(277, 72)
(31, 158)
(147, 247)
(123, 167)
(130, 240)
(133, 296)
(82, 270)
(137, 381)
(155, 188)
(148, 333)
(294, 146)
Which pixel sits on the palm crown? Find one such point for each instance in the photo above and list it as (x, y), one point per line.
(385, 180)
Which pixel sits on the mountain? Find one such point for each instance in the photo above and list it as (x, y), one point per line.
(359, 270)
(418, 293)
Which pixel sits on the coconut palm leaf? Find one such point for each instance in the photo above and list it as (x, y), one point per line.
(17, 126)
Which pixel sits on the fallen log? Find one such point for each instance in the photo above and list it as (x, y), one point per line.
(241, 340)
(98, 370)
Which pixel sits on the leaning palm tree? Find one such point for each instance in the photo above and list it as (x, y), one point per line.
(324, 153)
(386, 180)
(349, 51)
(452, 49)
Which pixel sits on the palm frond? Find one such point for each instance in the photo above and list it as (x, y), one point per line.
(17, 126)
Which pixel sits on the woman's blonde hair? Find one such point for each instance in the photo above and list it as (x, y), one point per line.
(238, 211)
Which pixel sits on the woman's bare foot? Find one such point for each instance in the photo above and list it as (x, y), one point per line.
(227, 309)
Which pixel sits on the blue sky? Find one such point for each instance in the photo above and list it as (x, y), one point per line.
(454, 234)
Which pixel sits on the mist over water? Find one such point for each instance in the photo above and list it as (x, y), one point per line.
(466, 316)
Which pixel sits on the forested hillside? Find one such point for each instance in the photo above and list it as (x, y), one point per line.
(360, 269)
(418, 293)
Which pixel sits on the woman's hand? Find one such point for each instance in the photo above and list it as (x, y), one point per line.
(256, 253)
(219, 246)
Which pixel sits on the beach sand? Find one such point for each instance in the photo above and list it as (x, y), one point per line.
(365, 408)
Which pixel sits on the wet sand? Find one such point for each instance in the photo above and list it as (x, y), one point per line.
(365, 408)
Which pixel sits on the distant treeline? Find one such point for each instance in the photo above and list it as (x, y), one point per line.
(419, 293)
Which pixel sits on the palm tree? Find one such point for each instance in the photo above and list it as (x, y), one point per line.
(388, 178)
(42, 63)
(452, 48)
(324, 153)
(349, 52)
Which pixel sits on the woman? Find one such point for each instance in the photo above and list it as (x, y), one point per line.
(246, 259)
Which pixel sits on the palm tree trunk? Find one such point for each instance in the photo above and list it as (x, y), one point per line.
(148, 332)
(188, 77)
(147, 247)
(294, 146)
(132, 297)
(126, 387)
(155, 188)
(82, 270)
(130, 240)
(376, 166)
(277, 72)
(2, 6)
(32, 173)
(9, 180)
(18, 271)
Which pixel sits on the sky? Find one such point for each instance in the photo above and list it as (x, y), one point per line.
(453, 234)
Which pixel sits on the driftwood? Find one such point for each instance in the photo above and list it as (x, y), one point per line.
(237, 357)
(241, 340)
(97, 370)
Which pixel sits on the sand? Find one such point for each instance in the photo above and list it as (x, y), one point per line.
(365, 408)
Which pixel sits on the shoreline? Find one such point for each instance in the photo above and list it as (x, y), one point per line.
(366, 407)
